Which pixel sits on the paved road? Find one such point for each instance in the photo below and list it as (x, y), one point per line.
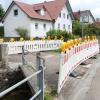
(94, 91)
(88, 87)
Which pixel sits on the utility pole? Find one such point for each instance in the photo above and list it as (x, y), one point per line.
(82, 32)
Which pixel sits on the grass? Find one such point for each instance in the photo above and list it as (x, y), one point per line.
(57, 50)
(50, 94)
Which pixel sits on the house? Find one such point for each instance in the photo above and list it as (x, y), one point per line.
(84, 16)
(98, 20)
(38, 18)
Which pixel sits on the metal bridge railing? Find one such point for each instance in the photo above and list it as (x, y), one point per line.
(40, 78)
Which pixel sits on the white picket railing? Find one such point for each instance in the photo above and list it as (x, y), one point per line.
(33, 46)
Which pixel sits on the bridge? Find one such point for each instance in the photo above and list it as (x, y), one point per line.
(73, 54)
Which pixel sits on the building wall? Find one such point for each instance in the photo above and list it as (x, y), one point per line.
(1, 24)
(40, 32)
(87, 18)
(61, 20)
(91, 20)
(12, 22)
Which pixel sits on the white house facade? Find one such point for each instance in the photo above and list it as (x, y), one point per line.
(12, 22)
(64, 20)
(42, 28)
(1, 24)
(38, 18)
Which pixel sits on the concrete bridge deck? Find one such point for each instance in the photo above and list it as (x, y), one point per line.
(52, 67)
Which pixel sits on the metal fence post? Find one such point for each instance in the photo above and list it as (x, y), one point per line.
(4, 54)
(23, 59)
(40, 76)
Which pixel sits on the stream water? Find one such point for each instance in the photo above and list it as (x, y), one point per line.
(21, 93)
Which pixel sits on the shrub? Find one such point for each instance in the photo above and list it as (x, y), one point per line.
(1, 31)
(22, 32)
(60, 33)
(88, 29)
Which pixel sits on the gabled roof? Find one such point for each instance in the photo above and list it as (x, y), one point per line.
(78, 14)
(52, 9)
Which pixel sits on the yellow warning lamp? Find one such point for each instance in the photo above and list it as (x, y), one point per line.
(32, 38)
(88, 38)
(49, 38)
(92, 38)
(85, 39)
(69, 44)
(80, 40)
(43, 38)
(21, 39)
(11, 40)
(76, 41)
(55, 37)
(2, 40)
(62, 37)
(95, 38)
(72, 42)
(63, 47)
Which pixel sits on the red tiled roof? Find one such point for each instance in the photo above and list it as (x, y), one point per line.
(78, 13)
(97, 23)
(52, 8)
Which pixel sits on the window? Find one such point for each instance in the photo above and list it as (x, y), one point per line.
(15, 12)
(68, 26)
(63, 15)
(36, 25)
(67, 16)
(58, 26)
(44, 26)
(60, 15)
(64, 26)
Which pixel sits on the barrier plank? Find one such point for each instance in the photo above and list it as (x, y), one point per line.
(76, 55)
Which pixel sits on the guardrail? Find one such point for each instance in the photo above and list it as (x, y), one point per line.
(40, 79)
(33, 46)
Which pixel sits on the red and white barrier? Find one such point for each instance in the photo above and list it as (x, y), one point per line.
(73, 58)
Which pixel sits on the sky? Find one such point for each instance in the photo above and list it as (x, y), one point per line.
(93, 5)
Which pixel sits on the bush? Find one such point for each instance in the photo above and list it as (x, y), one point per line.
(1, 31)
(60, 33)
(22, 32)
(88, 29)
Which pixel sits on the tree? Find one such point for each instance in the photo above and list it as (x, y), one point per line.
(88, 29)
(1, 11)
(77, 28)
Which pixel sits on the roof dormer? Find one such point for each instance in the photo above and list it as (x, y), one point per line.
(42, 12)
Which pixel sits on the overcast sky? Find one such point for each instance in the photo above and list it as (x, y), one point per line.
(93, 5)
